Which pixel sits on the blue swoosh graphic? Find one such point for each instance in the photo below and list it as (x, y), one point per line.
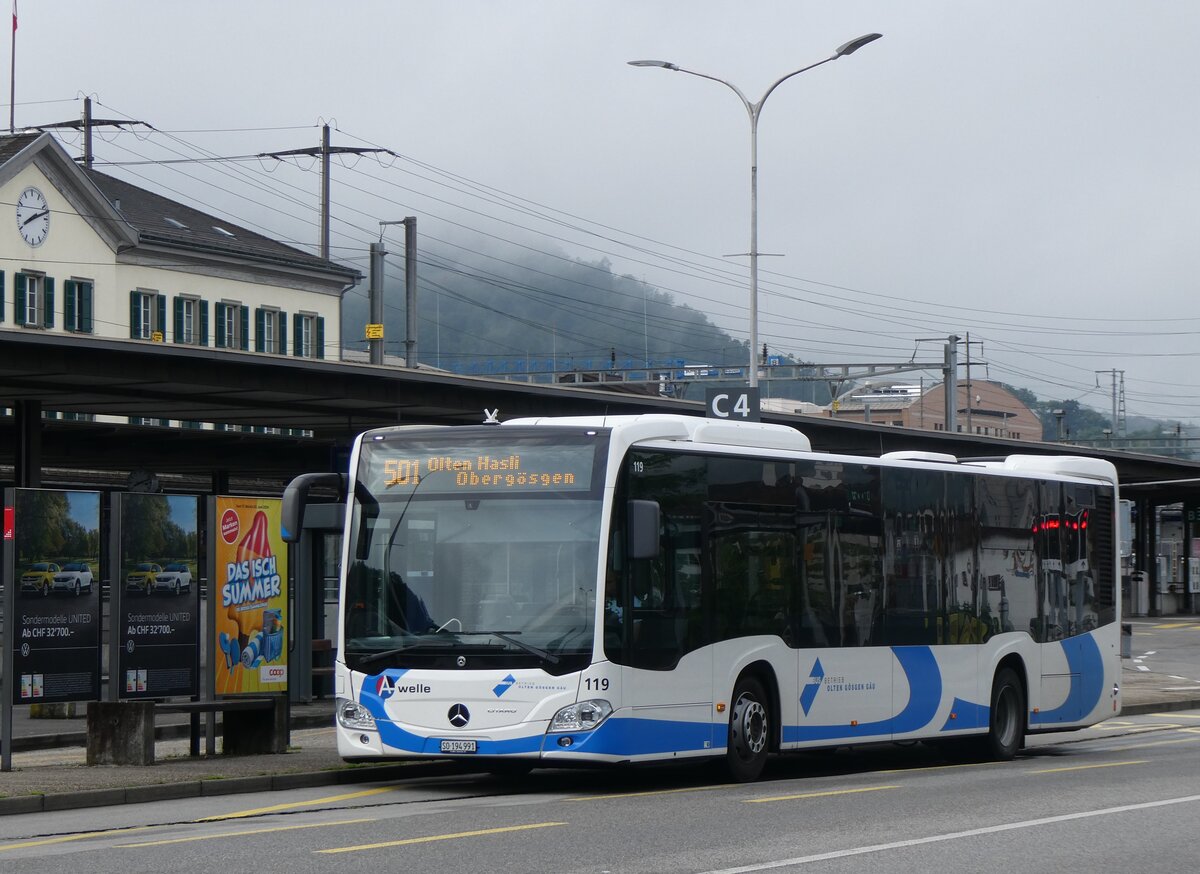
(1087, 681)
(925, 695)
(967, 715)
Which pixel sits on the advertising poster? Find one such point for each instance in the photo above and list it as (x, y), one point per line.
(157, 602)
(250, 597)
(56, 630)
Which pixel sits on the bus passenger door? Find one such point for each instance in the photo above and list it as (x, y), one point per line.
(668, 673)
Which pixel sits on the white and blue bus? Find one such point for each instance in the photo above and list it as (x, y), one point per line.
(657, 587)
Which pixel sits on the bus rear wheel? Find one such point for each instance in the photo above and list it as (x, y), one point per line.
(1006, 723)
(749, 731)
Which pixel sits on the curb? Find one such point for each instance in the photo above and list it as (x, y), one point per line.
(1160, 707)
(212, 788)
(29, 743)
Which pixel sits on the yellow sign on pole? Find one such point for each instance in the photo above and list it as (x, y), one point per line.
(374, 332)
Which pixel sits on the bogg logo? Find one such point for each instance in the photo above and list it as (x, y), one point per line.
(230, 526)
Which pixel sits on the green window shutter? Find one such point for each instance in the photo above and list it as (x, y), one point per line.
(320, 332)
(19, 299)
(178, 305)
(282, 326)
(203, 323)
(135, 315)
(220, 331)
(260, 321)
(69, 304)
(297, 334)
(161, 325)
(85, 307)
(244, 340)
(48, 302)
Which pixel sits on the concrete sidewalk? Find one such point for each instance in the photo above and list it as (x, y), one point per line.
(50, 773)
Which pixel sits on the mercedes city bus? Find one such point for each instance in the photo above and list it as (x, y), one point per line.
(658, 587)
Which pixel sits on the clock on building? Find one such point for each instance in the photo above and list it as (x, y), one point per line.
(33, 216)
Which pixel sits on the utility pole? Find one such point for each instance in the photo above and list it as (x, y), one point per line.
(410, 291)
(950, 372)
(86, 123)
(375, 339)
(324, 150)
(1118, 415)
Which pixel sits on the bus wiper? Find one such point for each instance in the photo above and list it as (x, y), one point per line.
(388, 653)
(528, 647)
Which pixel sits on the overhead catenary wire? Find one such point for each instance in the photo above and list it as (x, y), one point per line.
(907, 316)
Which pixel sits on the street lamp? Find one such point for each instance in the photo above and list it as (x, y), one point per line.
(753, 110)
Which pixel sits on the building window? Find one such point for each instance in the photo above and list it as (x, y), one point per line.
(77, 305)
(270, 326)
(191, 321)
(33, 300)
(308, 336)
(233, 326)
(147, 315)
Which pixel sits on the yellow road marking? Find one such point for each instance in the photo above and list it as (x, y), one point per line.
(1173, 625)
(79, 837)
(651, 792)
(816, 794)
(1088, 767)
(1159, 743)
(937, 767)
(1177, 715)
(275, 808)
(256, 831)
(449, 837)
(1136, 728)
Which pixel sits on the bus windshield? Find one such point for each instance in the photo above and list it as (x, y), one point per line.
(474, 547)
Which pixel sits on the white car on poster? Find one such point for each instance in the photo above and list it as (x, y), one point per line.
(75, 578)
(175, 578)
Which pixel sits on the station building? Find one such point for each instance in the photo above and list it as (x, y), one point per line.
(89, 256)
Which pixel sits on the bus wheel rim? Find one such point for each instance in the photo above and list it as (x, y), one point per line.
(749, 727)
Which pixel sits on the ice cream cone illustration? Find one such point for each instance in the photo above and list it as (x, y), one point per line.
(247, 639)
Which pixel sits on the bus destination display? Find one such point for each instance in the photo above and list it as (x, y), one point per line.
(480, 469)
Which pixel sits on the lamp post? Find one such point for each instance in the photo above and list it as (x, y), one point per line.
(753, 110)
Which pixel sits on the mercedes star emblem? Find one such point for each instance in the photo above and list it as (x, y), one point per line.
(459, 715)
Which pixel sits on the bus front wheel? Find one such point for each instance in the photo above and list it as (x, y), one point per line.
(1006, 723)
(749, 731)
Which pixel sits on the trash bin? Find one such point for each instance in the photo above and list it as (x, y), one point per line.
(1139, 593)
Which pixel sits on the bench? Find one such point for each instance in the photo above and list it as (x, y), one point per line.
(122, 732)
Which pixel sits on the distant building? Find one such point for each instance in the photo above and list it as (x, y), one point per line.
(987, 409)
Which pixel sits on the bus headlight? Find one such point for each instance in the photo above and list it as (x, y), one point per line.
(351, 714)
(581, 716)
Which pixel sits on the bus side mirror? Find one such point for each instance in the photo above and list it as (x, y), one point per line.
(643, 529)
(295, 497)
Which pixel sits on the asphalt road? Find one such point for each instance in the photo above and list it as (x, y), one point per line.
(1119, 796)
(1169, 646)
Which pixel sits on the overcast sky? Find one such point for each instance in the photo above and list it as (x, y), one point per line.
(1024, 171)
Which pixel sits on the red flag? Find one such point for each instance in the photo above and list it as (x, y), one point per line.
(14, 16)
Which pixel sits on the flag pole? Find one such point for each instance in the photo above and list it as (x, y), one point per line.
(12, 78)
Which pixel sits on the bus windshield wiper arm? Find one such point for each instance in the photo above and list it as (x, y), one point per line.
(528, 647)
(387, 653)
